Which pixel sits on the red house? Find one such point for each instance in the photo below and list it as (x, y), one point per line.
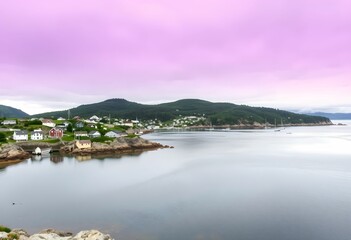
(56, 133)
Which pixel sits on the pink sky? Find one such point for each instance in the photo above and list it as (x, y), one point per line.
(285, 54)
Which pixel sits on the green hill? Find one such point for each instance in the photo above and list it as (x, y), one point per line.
(10, 112)
(217, 113)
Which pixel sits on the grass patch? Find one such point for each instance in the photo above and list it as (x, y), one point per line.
(68, 138)
(132, 136)
(51, 140)
(4, 229)
(102, 139)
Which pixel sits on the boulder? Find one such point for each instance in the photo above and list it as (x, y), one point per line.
(22, 234)
(3, 235)
(47, 236)
(12, 152)
(60, 233)
(91, 235)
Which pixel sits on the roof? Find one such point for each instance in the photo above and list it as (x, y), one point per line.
(22, 132)
(47, 121)
(94, 132)
(81, 132)
(56, 129)
(9, 121)
(84, 141)
(116, 131)
(34, 132)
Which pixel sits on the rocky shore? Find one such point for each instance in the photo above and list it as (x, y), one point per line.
(12, 152)
(51, 234)
(118, 146)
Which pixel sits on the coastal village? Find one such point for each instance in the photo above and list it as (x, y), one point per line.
(84, 131)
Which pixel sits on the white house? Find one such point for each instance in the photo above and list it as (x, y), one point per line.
(61, 119)
(128, 123)
(80, 134)
(48, 123)
(9, 122)
(20, 135)
(94, 118)
(94, 134)
(113, 134)
(37, 135)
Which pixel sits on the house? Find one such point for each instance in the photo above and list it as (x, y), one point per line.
(56, 133)
(37, 135)
(9, 122)
(61, 119)
(66, 124)
(62, 126)
(20, 135)
(128, 123)
(94, 134)
(79, 125)
(83, 144)
(94, 118)
(78, 134)
(48, 123)
(113, 134)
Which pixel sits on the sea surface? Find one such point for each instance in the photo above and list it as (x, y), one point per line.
(238, 185)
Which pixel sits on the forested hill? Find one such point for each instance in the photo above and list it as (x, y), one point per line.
(217, 113)
(10, 112)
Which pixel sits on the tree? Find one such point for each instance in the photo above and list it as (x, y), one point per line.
(69, 128)
(3, 138)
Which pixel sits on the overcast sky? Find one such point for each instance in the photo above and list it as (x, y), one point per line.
(285, 54)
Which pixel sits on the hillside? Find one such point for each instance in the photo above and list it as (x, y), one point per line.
(216, 113)
(10, 112)
(333, 116)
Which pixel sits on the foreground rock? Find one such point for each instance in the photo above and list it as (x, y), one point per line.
(119, 145)
(51, 234)
(12, 152)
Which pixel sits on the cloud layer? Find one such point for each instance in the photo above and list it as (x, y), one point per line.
(286, 54)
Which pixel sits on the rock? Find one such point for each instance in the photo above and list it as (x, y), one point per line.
(52, 234)
(60, 233)
(91, 235)
(47, 236)
(119, 145)
(3, 235)
(20, 232)
(12, 152)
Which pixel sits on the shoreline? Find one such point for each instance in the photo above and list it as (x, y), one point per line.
(53, 234)
(13, 153)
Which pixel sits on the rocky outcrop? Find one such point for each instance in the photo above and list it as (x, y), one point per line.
(51, 234)
(119, 145)
(11, 152)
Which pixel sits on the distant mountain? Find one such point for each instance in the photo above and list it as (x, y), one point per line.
(333, 116)
(216, 113)
(10, 112)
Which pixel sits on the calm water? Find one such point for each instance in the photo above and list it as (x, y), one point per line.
(293, 184)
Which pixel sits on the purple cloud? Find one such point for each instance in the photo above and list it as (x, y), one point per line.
(287, 54)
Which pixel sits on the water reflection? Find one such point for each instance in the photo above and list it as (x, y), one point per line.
(37, 158)
(56, 158)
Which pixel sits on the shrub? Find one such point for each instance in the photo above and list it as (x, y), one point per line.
(3, 138)
(12, 236)
(4, 229)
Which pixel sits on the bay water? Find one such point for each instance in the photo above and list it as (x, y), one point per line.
(221, 184)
